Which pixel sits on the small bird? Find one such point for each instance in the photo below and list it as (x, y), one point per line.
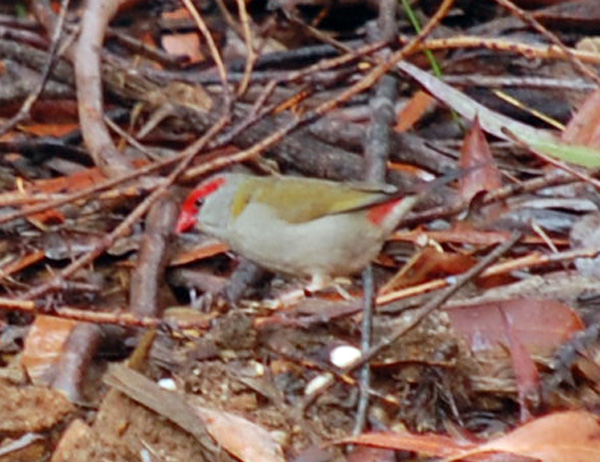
(302, 227)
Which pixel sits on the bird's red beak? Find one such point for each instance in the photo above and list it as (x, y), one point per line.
(185, 222)
(189, 212)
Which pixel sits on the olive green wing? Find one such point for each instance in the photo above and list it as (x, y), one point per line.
(303, 200)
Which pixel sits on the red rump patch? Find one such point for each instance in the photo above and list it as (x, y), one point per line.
(378, 213)
(189, 209)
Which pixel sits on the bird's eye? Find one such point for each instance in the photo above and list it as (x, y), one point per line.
(199, 202)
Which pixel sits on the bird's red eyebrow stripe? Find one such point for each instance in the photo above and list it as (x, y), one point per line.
(202, 191)
(208, 188)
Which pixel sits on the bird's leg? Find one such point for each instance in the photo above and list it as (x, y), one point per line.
(321, 282)
(318, 282)
(338, 284)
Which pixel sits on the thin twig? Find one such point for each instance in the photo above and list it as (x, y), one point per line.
(214, 51)
(441, 298)
(364, 379)
(251, 56)
(530, 19)
(36, 93)
(422, 313)
(133, 217)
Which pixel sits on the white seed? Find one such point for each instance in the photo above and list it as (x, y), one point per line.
(167, 384)
(344, 355)
(317, 383)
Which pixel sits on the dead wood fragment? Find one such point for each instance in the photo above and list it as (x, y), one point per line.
(153, 255)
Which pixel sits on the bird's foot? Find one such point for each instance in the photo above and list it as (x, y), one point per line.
(291, 298)
(209, 301)
(316, 286)
(320, 284)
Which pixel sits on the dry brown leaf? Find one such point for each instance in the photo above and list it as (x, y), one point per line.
(571, 436)
(240, 437)
(476, 153)
(44, 345)
(539, 324)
